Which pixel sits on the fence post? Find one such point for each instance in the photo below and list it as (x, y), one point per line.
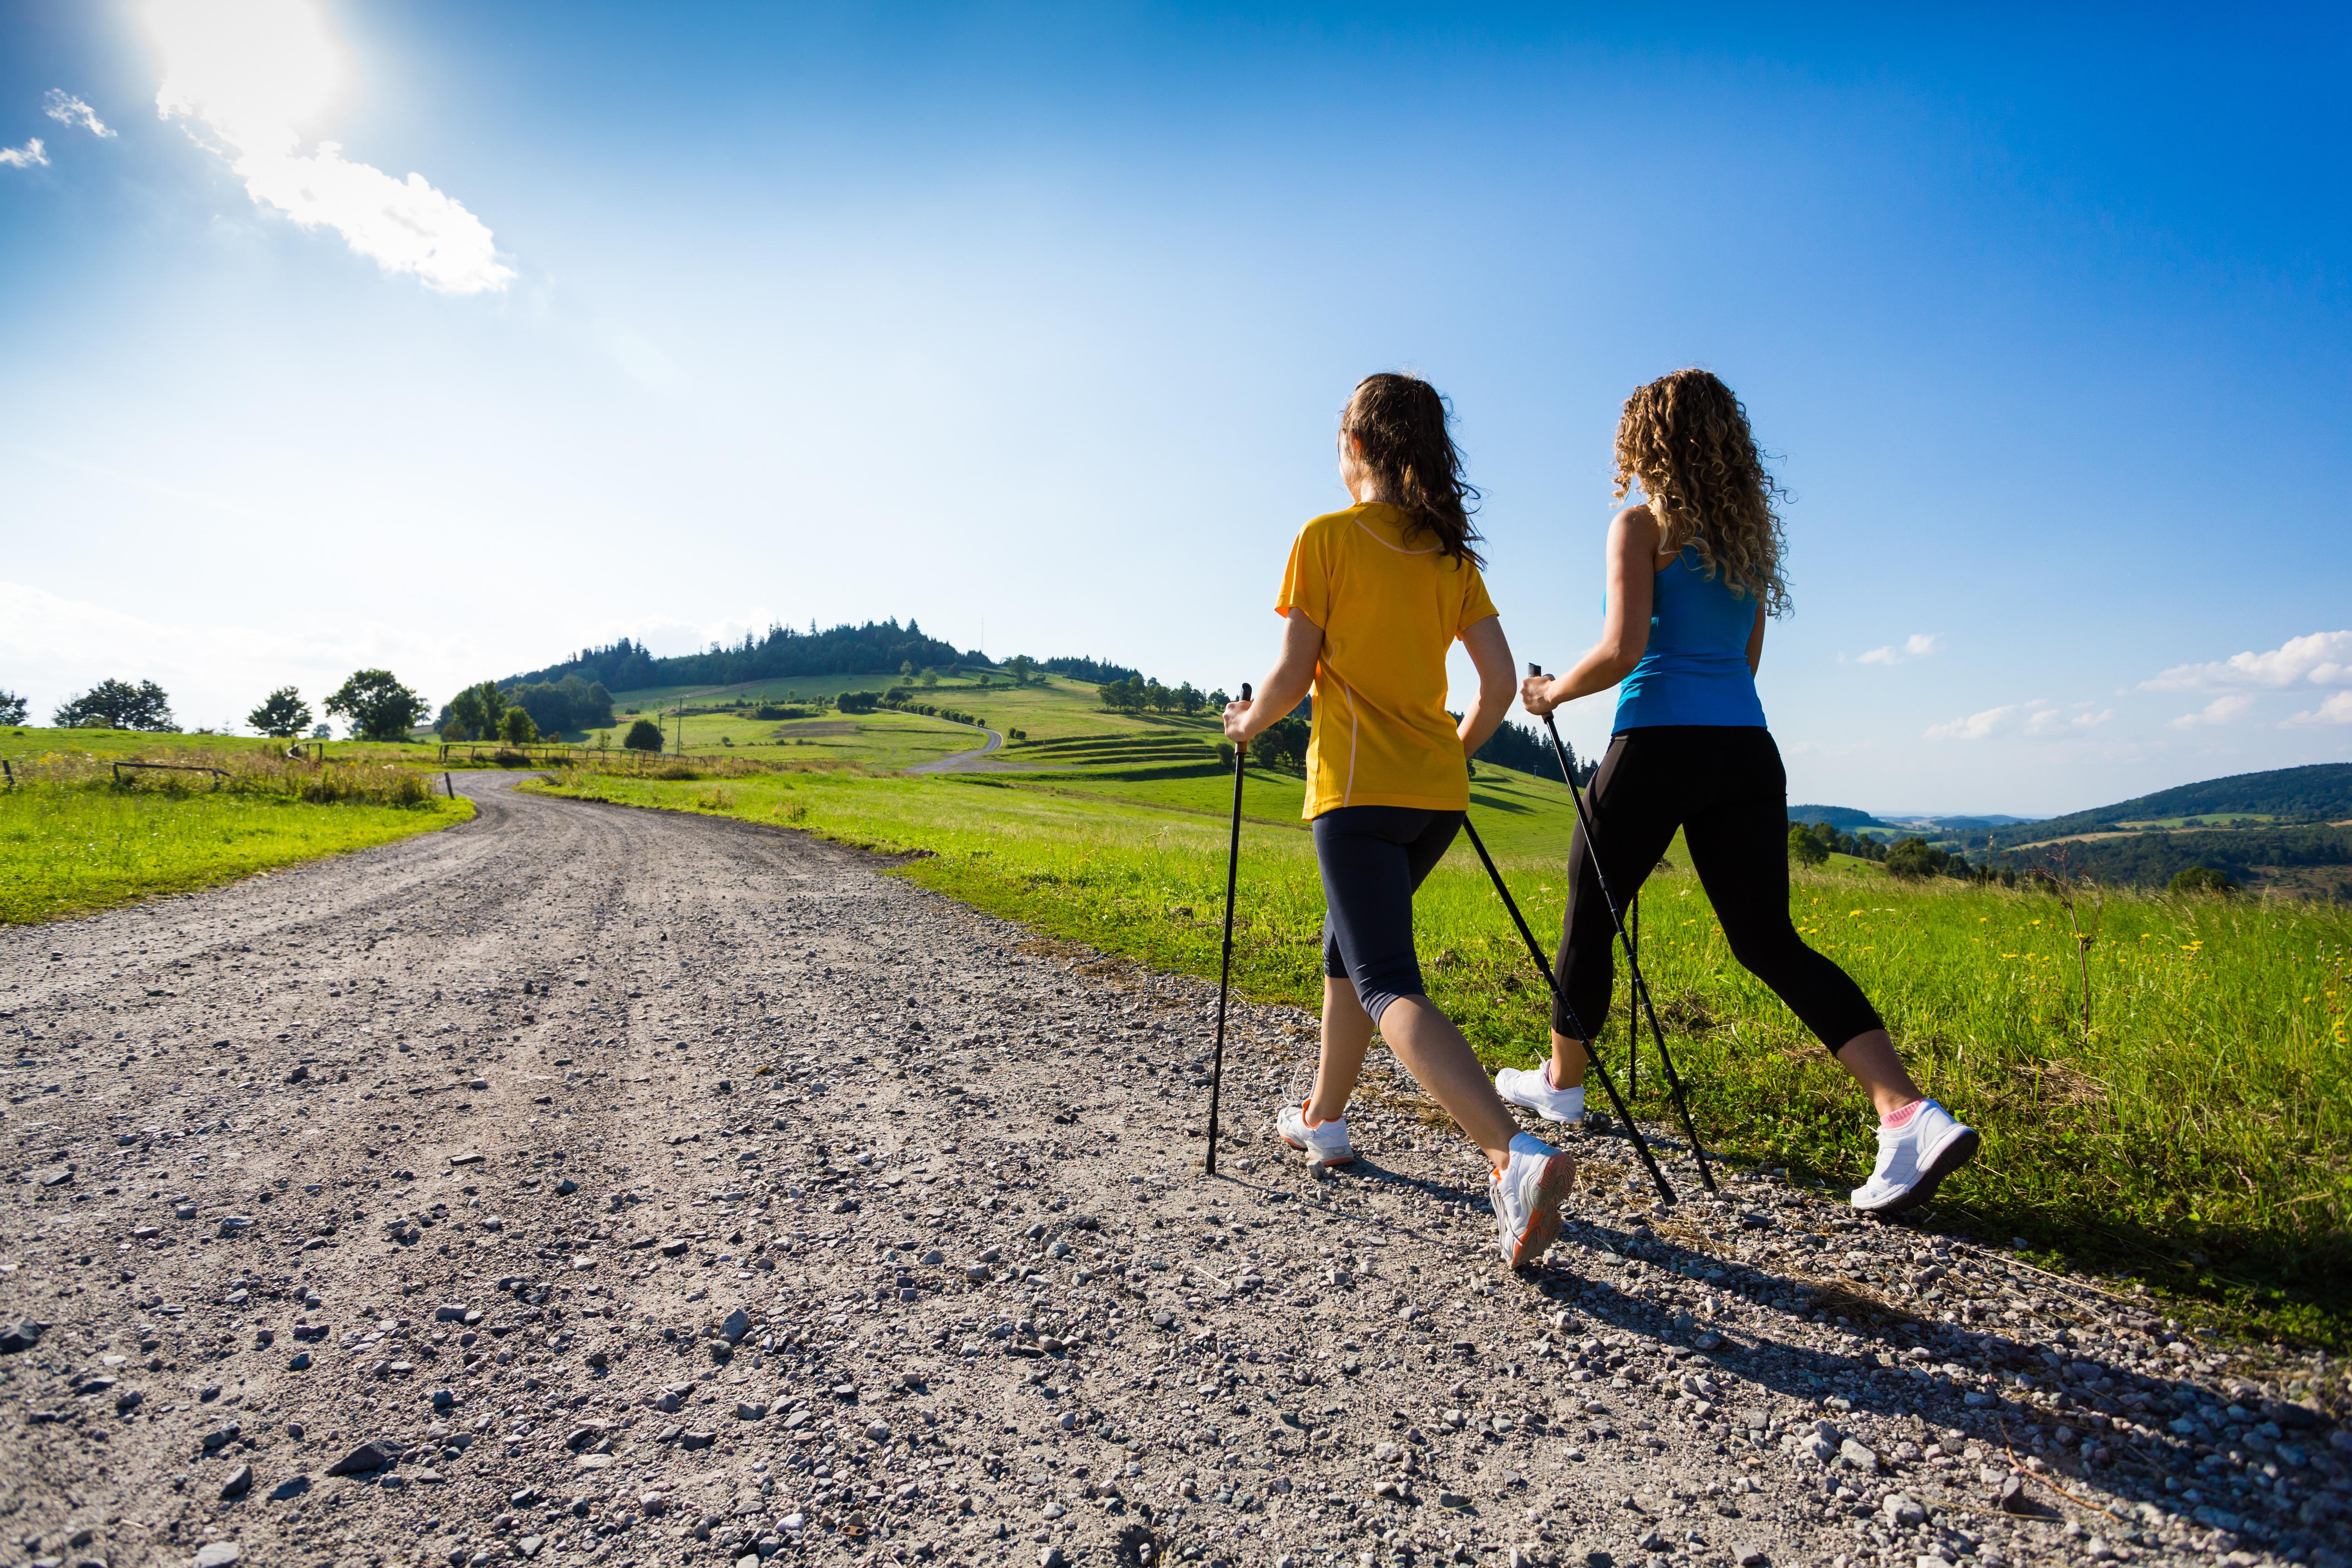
(447, 785)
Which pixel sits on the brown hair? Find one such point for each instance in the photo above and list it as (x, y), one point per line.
(1685, 439)
(1399, 420)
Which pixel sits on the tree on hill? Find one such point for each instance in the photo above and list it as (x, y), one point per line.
(12, 707)
(645, 735)
(1803, 847)
(1520, 746)
(516, 729)
(1913, 858)
(118, 705)
(1022, 668)
(1283, 743)
(282, 713)
(377, 705)
(570, 703)
(1099, 671)
(2203, 880)
(473, 713)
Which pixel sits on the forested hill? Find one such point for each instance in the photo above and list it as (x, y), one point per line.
(2319, 792)
(845, 649)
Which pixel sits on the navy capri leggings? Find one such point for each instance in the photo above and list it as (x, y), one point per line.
(1373, 858)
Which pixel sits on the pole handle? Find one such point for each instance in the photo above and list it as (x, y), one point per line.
(1245, 691)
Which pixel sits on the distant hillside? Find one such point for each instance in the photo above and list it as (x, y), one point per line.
(2319, 792)
(2308, 861)
(845, 650)
(1843, 816)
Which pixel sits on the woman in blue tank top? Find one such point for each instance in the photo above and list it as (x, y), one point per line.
(1694, 572)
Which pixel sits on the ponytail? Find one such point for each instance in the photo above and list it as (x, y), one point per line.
(1398, 422)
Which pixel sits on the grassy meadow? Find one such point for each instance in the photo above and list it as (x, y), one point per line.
(2193, 1136)
(74, 840)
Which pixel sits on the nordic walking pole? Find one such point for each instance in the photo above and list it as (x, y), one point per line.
(1543, 967)
(1225, 970)
(1637, 986)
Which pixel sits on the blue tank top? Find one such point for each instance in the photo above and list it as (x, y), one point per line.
(1695, 669)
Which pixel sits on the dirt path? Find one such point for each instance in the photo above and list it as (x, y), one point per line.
(646, 1188)
(962, 760)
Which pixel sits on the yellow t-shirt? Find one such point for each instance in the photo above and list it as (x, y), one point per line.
(1390, 605)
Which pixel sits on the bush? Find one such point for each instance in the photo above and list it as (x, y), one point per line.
(857, 701)
(1913, 858)
(1803, 847)
(645, 735)
(516, 728)
(2203, 880)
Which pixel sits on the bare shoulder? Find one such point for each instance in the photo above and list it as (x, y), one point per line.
(1635, 529)
(1634, 522)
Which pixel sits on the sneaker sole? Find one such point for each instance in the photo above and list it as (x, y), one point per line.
(1337, 1160)
(1957, 1150)
(1545, 1112)
(1543, 1226)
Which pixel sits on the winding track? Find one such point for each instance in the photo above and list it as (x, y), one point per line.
(990, 1309)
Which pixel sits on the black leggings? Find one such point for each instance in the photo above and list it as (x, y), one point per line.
(1373, 859)
(1724, 787)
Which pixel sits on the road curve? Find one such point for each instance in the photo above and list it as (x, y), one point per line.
(962, 760)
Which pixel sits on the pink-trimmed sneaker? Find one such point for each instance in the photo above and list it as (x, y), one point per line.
(1326, 1141)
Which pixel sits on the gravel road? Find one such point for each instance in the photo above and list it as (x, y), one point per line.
(590, 1184)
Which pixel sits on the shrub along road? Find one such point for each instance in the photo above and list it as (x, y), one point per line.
(590, 1184)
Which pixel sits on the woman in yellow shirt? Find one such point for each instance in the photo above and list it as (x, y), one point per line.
(1373, 598)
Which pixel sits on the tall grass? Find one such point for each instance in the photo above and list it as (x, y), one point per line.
(72, 841)
(2197, 1133)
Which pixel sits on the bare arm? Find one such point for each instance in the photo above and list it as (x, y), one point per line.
(1756, 642)
(1632, 569)
(1288, 681)
(1491, 652)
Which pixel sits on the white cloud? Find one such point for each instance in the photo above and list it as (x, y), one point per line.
(2038, 717)
(1976, 726)
(253, 71)
(66, 110)
(24, 157)
(2220, 710)
(1919, 645)
(2323, 658)
(2336, 709)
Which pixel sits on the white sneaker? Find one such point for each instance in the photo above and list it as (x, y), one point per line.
(1531, 1087)
(1326, 1141)
(1913, 1159)
(1526, 1194)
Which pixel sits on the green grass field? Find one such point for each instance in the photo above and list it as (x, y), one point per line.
(67, 848)
(2194, 1135)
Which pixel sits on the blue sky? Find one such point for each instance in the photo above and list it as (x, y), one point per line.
(602, 320)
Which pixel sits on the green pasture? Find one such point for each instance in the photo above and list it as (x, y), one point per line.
(2193, 1134)
(69, 848)
(25, 744)
(882, 740)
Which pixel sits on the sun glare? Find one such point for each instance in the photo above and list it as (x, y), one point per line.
(254, 69)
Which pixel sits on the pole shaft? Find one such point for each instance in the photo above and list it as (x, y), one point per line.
(1591, 1057)
(1637, 987)
(1225, 967)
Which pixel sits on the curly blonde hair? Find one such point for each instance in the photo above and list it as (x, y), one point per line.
(1685, 439)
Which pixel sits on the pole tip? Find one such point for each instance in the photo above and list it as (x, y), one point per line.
(1245, 691)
